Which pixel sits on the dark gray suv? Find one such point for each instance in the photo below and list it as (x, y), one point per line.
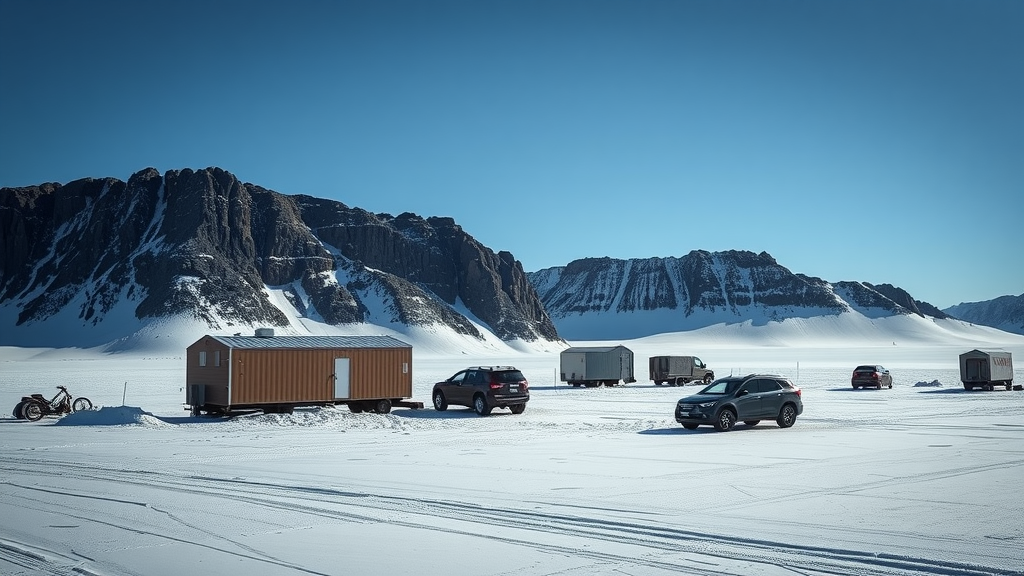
(748, 399)
(484, 388)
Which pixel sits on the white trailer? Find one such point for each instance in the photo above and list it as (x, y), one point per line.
(592, 366)
(986, 369)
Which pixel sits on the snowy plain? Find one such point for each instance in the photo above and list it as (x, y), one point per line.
(924, 478)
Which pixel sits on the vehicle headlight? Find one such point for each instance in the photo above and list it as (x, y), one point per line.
(706, 405)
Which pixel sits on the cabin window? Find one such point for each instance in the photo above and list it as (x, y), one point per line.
(216, 357)
(202, 357)
(405, 367)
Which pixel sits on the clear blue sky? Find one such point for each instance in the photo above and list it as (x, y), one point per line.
(880, 141)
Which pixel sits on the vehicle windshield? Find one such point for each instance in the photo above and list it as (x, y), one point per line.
(722, 387)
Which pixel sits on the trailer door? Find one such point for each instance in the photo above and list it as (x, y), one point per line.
(341, 379)
(977, 369)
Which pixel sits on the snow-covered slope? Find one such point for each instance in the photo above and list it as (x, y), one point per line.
(1004, 312)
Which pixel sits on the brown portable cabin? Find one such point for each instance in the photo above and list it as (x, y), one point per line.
(278, 373)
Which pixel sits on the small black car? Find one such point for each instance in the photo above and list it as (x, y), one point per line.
(484, 388)
(748, 399)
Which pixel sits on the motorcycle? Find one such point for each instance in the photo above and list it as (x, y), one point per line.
(36, 406)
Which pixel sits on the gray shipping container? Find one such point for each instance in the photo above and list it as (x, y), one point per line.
(678, 370)
(597, 365)
(986, 369)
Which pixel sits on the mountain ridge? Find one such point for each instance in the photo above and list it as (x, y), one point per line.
(588, 298)
(201, 244)
(105, 262)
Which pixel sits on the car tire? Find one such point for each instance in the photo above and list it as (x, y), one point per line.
(787, 416)
(383, 406)
(751, 422)
(480, 405)
(440, 402)
(517, 408)
(725, 421)
(707, 379)
(18, 410)
(690, 426)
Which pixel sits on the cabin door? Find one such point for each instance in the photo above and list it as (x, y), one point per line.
(341, 379)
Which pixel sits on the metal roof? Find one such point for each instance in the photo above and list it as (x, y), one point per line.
(594, 348)
(312, 342)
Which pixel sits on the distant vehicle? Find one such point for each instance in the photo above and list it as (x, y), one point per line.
(748, 399)
(986, 369)
(679, 370)
(484, 388)
(593, 366)
(871, 375)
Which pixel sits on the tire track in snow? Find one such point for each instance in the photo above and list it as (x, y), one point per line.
(687, 545)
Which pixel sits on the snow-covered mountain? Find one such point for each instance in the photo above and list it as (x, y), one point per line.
(1004, 312)
(606, 298)
(101, 262)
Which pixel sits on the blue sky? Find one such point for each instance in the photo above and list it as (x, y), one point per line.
(879, 141)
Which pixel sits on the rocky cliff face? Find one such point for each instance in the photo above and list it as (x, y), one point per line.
(202, 244)
(1004, 312)
(700, 289)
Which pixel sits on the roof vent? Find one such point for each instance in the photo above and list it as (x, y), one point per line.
(264, 332)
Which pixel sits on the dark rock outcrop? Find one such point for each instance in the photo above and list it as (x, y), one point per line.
(700, 289)
(202, 244)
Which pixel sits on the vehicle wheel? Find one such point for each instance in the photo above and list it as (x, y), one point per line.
(707, 379)
(440, 403)
(382, 406)
(787, 416)
(517, 408)
(81, 403)
(355, 407)
(725, 420)
(33, 411)
(18, 410)
(751, 422)
(480, 405)
(685, 381)
(690, 426)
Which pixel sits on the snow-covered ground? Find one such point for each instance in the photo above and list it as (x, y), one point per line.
(925, 478)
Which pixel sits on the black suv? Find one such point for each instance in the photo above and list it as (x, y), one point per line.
(484, 388)
(871, 375)
(748, 399)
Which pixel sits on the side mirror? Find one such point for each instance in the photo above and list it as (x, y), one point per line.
(743, 392)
